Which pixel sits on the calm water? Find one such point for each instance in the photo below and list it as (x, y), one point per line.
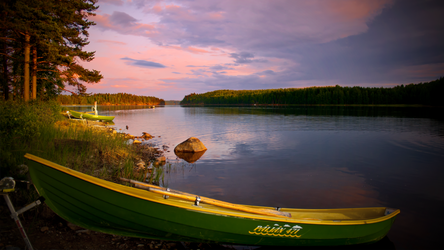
(316, 157)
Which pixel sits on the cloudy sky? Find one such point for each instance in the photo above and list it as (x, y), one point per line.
(169, 49)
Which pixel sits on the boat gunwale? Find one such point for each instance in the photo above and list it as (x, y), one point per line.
(126, 190)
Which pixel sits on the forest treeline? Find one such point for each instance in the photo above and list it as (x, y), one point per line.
(109, 99)
(428, 93)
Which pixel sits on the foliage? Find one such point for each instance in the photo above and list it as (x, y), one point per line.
(20, 124)
(106, 99)
(53, 34)
(21, 121)
(429, 93)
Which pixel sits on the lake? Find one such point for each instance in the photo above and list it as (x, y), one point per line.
(309, 157)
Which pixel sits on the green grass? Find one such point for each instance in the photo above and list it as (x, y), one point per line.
(40, 129)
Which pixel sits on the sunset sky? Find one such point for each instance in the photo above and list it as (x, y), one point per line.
(170, 49)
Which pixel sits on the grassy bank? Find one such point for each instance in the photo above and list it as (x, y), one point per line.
(39, 128)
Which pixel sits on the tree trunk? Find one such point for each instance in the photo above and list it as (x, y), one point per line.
(26, 77)
(34, 73)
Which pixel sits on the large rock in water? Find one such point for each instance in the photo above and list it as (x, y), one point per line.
(191, 145)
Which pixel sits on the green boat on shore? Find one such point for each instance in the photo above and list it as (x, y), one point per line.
(89, 116)
(159, 213)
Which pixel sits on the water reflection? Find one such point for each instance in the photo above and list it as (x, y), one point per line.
(190, 157)
(368, 111)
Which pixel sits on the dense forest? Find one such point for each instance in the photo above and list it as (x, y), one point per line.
(428, 93)
(42, 47)
(110, 99)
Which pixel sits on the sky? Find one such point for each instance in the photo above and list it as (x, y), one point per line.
(169, 49)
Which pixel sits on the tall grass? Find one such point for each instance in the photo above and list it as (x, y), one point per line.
(20, 128)
(40, 129)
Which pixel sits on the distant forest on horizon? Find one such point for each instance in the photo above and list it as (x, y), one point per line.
(110, 99)
(428, 93)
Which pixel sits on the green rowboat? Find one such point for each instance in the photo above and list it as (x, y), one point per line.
(89, 116)
(164, 214)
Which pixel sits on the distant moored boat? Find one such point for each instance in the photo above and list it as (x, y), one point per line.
(89, 116)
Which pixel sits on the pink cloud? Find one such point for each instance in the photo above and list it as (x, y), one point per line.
(188, 49)
(119, 86)
(156, 8)
(111, 42)
(356, 10)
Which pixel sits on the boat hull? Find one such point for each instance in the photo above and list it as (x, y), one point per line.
(85, 115)
(108, 207)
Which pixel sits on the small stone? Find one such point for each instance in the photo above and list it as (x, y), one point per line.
(73, 226)
(140, 245)
(140, 165)
(171, 245)
(136, 142)
(44, 229)
(82, 231)
(161, 159)
(146, 136)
